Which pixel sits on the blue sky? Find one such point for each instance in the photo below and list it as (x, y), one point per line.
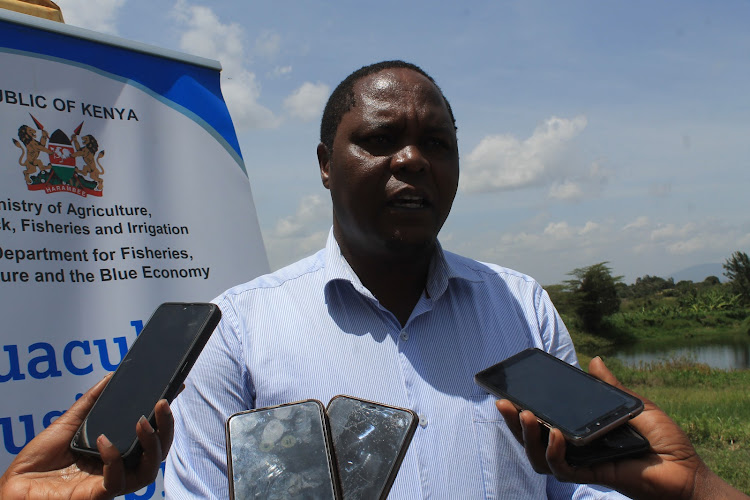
(589, 131)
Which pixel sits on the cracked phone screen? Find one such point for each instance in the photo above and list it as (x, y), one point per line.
(368, 439)
(280, 453)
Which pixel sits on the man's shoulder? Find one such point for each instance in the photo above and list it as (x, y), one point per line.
(483, 271)
(303, 270)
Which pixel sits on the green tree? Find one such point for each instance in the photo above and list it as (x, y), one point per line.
(647, 286)
(737, 269)
(594, 292)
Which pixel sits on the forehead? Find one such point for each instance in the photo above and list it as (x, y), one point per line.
(399, 90)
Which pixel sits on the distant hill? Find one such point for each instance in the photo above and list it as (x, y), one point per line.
(698, 273)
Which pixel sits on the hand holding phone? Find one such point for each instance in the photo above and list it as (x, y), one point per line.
(668, 469)
(370, 440)
(560, 395)
(153, 369)
(39, 467)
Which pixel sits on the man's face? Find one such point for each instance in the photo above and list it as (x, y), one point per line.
(393, 171)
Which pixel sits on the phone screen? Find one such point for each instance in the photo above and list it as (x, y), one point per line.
(281, 452)
(370, 440)
(561, 395)
(152, 369)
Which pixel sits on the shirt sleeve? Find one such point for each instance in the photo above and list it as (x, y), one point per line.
(555, 336)
(215, 389)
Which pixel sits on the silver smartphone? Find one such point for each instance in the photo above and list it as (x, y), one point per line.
(281, 452)
(560, 395)
(370, 440)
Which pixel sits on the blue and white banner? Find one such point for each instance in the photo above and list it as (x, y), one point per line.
(122, 186)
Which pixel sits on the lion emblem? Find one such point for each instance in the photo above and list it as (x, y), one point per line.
(31, 149)
(92, 167)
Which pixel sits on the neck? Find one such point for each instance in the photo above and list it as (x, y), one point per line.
(397, 281)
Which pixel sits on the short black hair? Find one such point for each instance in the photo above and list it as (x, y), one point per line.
(342, 97)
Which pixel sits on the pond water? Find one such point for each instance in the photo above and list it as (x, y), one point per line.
(727, 356)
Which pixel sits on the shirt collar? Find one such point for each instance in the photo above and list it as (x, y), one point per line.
(338, 269)
(443, 268)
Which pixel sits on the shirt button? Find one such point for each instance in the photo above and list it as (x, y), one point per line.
(422, 420)
(404, 335)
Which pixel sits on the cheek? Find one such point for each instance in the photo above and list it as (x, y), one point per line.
(447, 181)
(360, 173)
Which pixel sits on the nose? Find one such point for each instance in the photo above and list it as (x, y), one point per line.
(409, 158)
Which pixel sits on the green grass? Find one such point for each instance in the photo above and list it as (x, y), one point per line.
(712, 406)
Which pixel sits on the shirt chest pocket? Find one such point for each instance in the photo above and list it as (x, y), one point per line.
(505, 469)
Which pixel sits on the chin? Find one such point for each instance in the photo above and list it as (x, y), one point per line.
(410, 245)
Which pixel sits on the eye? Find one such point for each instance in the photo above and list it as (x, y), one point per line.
(379, 140)
(378, 143)
(437, 143)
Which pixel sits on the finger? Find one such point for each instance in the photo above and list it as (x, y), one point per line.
(532, 442)
(152, 455)
(165, 426)
(78, 411)
(556, 458)
(598, 369)
(114, 470)
(510, 414)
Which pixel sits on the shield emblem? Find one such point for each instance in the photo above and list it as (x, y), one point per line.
(61, 160)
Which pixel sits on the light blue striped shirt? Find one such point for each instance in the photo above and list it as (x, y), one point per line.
(312, 330)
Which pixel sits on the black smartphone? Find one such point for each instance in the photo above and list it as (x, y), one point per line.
(370, 440)
(621, 442)
(560, 395)
(280, 452)
(154, 368)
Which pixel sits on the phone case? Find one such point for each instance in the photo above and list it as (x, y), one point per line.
(619, 443)
(371, 440)
(84, 444)
(281, 452)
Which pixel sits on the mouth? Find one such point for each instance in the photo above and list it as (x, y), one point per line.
(408, 202)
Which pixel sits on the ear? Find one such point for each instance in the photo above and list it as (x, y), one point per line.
(324, 162)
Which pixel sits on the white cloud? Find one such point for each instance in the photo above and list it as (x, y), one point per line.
(558, 230)
(205, 35)
(643, 246)
(268, 44)
(503, 162)
(566, 191)
(578, 243)
(307, 101)
(311, 210)
(640, 222)
(590, 228)
(97, 15)
(279, 71)
(672, 231)
(300, 234)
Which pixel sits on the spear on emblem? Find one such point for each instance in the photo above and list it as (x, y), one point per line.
(32, 148)
(39, 126)
(36, 122)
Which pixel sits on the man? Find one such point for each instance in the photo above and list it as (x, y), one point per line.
(382, 313)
